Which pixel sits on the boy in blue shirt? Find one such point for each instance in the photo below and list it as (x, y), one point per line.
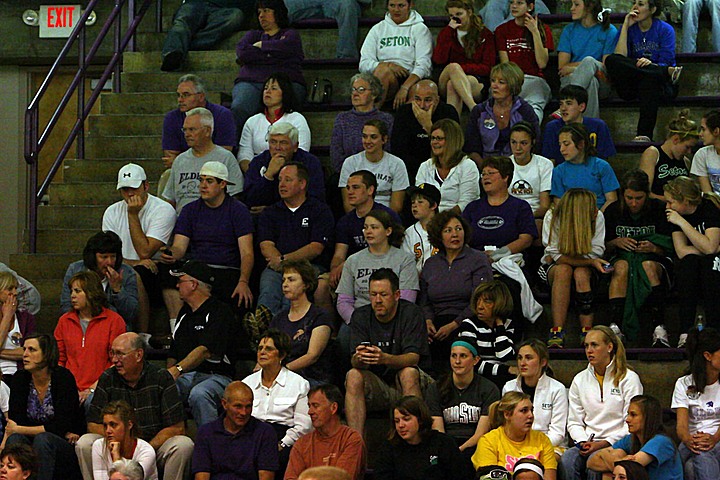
(573, 101)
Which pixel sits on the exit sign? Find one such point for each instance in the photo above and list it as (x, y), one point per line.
(58, 21)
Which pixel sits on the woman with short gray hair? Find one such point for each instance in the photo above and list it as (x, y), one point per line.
(365, 91)
(126, 470)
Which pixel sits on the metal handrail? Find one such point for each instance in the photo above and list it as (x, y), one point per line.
(34, 141)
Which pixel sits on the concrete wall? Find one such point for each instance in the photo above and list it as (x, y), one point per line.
(14, 173)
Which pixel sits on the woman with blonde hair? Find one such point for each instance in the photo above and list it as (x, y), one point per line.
(449, 169)
(488, 129)
(695, 219)
(672, 158)
(574, 239)
(15, 325)
(121, 441)
(513, 438)
(466, 51)
(599, 399)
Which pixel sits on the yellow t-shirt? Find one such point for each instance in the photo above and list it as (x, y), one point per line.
(495, 448)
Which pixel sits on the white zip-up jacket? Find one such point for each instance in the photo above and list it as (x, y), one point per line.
(409, 45)
(550, 407)
(460, 187)
(601, 411)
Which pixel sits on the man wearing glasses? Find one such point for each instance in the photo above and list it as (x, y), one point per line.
(151, 391)
(191, 94)
(184, 182)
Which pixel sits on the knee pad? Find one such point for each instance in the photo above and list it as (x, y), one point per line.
(584, 302)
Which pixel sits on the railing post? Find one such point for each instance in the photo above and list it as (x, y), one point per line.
(158, 16)
(81, 94)
(33, 207)
(117, 86)
(131, 17)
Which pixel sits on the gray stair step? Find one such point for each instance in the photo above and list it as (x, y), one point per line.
(43, 266)
(622, 121)
(144, 102)
(85, 193)
(105, 170)
(64, 240)
(70, 216)
(129, 147)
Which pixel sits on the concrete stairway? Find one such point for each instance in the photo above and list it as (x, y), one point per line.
(128, 128)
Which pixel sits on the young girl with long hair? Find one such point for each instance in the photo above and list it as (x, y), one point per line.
(527, 41)
(694, 400)
(599, 399)
(534, 379)
(513, 438)
(384, 238)
(706, 162)
(574, 239)
(647, 443)
(414, 451)
(695, 220)
(466, 51)
(672, 158)
(121, 440)
(638, 234)
(584, 45)
(582, 168)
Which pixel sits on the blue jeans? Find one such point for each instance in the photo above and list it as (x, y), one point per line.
(690, 16)
(271, 291)
(572, 466)
(199, 26)
(497, 12)
(705, 466)
(345, 13)
(247, 100)
(56, 456)
(202, 392)
(584, 76)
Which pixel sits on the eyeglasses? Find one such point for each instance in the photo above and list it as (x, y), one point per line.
(359, 89)
(487, 174)
(185, 94)
(118, 355)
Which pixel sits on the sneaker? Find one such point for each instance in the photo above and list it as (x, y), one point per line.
(660, 337)
(583, 334)
(616, 330)
(557, 338)
(257, 323)
(642, 139)
(682, 339)
(556, 115)
(675, 76)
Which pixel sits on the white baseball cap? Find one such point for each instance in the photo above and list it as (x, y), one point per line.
(131, 175)
(217, 170)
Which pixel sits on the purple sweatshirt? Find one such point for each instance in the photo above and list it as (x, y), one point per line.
(281, 52)
(347, 134)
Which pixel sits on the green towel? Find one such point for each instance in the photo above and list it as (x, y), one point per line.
(638, 284)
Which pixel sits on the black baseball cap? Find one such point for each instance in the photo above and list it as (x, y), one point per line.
(427, 190)
(196, 269)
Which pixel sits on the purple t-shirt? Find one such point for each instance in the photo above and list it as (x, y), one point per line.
(499, 225)
(349, 229)
(224, 132)
(232, 457)
(214, 232)
(311, 222)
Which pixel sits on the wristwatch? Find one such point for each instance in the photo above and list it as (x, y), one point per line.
(179, 367)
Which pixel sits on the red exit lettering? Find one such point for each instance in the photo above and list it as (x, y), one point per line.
(60, 17)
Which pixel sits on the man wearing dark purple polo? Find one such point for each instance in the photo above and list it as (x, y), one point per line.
(217, 230)
(261, 178)
(361, 188)
(236, 445)
(295, 228)
(191, 94)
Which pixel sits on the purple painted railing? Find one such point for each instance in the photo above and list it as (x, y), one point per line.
(34, 139)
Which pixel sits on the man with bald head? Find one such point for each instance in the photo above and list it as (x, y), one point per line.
(236, 445)
(151, 391)
(411, 128)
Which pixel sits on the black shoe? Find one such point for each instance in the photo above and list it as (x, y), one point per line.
(172, 61)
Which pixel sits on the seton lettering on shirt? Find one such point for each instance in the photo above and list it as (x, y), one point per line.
(627, 231)
(395, 41)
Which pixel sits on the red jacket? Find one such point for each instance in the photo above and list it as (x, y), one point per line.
(450, 50)
(86, 356)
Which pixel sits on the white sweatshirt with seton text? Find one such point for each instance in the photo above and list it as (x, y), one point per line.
(409, 45)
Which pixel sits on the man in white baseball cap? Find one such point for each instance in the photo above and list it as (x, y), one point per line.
(144, 223)
(216, 229)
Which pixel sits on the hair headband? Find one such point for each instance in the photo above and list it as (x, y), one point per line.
(460, 343)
